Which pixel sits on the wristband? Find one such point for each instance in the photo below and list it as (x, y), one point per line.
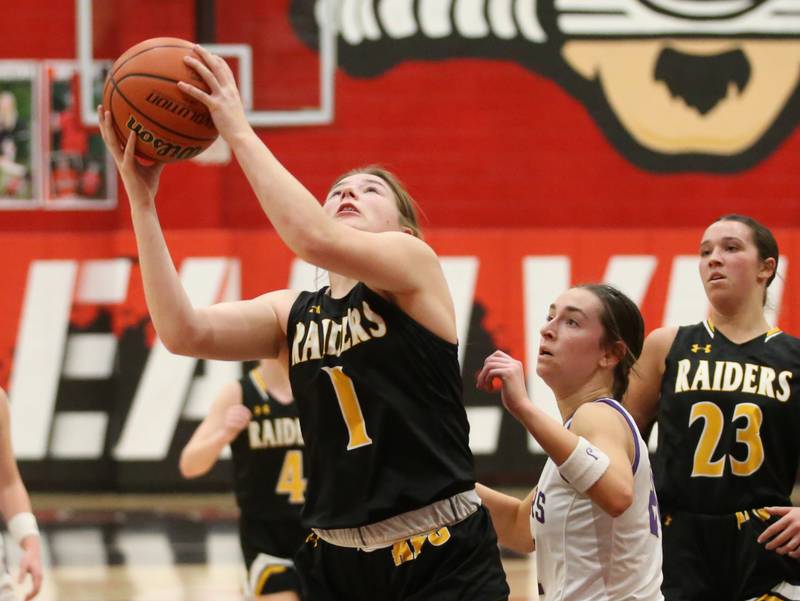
(21, 525)
(585, 466)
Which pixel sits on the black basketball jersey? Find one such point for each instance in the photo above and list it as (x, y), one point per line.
(268, 463)
(728, 422)
(380, 403)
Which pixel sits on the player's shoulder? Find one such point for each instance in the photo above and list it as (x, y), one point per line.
(784, 343)
(603, 415)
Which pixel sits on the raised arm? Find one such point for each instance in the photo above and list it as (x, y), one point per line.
(381, 260)
(644, 389)
(226, 418)
(511, 518)
(599, 425)
(15, 506)
(242, 330)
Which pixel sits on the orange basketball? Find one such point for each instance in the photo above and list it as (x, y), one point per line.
(142, 94)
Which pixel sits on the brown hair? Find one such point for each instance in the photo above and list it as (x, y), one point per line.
(622, 322)
(406, 205)
(763, 239)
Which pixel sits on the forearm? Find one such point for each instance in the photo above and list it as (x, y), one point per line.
(199, 456)
(509, 517)
(293, 211)
(14, 499)
(554, 438)
(167, 302)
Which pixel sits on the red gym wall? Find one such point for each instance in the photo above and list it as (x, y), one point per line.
(591, 155)
(514, 141)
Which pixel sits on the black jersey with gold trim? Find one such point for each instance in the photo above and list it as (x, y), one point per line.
(268, 463)
(380, 404)
(728, 422)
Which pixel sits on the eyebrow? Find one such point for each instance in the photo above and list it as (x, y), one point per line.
(366, 181)
(724, 239)
(571, 309)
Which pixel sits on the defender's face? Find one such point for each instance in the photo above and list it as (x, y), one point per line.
(571, 347)
(677, 96)
(729, 262)
(364, 202)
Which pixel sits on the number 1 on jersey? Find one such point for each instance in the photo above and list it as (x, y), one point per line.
(351, 410)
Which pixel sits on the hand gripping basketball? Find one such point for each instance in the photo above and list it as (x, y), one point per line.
(143, 95)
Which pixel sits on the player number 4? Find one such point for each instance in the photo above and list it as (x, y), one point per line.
(290, 480)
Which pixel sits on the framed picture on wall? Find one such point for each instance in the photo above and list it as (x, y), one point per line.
(79, 170)
(20, 174)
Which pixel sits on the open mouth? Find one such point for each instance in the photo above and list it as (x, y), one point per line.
(347, 208)
(716, 277)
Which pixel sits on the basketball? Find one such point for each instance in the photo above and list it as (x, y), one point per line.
(142, 94)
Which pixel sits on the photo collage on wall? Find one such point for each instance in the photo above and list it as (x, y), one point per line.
(48, 158)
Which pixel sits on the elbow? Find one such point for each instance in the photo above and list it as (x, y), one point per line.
(524, 546)
(180, 340)
(188, 471)
(617, 503)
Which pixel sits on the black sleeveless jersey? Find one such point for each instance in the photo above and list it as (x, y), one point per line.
(380, 404)
(269, 474)
(728, 421)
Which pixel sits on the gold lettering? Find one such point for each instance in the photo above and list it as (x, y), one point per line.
(326, 326)
(701, 377)
(765, 382)
(333, 339)
(380, 326)
(357, 331)
(719, 368)
(346, 343)
(439, 537)
(416, 543)
(749, 382)
(682, 379)
(253, 435)
(267, 435)
(299, 331)
(401, 553)
(733, 376)
(311, 346)
(783, 380)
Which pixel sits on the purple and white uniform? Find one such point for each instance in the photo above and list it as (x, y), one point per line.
(584, 554)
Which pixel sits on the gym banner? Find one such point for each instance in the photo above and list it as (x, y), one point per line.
(99, 403)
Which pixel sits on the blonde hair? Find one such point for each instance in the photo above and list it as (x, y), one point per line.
(406, 205)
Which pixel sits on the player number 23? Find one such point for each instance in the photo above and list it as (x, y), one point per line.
(748, 433)
(350, 407)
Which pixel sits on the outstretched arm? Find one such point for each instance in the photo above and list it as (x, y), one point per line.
(16, 506)
(379, 259)
(234, 331)
(510, 517)
(226, 418)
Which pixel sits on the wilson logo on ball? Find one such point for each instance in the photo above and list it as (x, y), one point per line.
(163, 148)
(167, 104)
